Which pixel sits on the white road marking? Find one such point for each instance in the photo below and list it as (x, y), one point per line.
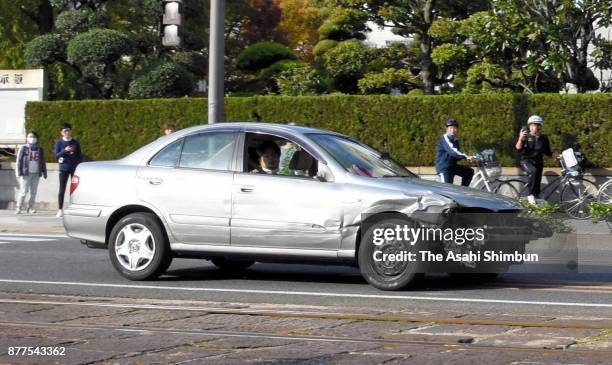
(44, 235)
(27, 239)
(313, 294)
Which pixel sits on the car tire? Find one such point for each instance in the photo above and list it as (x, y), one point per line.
(382, 275)
(147, 254)
(229, 265)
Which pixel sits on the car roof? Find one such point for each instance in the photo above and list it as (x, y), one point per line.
(137, 155)
(292, 128)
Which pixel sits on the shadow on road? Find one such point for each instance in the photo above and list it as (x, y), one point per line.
(331, 274)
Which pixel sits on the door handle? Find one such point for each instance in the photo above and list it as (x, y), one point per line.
(247, 188)
(155, 181)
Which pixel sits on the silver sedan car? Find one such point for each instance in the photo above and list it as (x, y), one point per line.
(240, 193)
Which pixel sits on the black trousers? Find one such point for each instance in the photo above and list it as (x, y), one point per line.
(534, 175)
(465, 172)
(64, 177)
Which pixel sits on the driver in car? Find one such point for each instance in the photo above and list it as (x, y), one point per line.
(269, 158)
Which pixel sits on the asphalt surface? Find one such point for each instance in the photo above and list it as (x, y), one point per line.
(57, 293)
(55, 264)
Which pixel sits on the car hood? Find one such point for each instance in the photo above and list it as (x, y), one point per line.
(463, 196)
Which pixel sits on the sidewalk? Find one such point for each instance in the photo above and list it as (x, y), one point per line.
(44, 221)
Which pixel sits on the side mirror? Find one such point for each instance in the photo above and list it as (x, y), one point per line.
(385, 156)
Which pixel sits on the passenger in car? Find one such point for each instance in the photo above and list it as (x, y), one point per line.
(288, 149)
(269, 158)
(301, 163)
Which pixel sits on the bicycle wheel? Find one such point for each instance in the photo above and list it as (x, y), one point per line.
(519, 186)
(605, 193)
(506, 188)
(576, 196)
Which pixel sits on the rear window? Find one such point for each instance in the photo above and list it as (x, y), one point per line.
(169, 155)
(212, 151)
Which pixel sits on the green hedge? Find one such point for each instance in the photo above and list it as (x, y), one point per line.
(110, 129)
(408, 127)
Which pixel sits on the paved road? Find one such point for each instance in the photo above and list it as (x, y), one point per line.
(56, 292)
(53, 263)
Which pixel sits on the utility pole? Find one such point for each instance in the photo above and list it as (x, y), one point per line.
(216, 60)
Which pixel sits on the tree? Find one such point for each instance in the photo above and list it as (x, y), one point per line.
(248, 22)
(162, 80)
(473, 54)
(38, 11)
(263, 54)
(343, 23)
(20, 21)
(97, 47)
(413, 19)
(88, 51)
(300, 80)
(299, 21)
(346, 64)
(261, 63)
(386, 81)
(562, 32)
(94, 54)
(524, 46)
(396, 55)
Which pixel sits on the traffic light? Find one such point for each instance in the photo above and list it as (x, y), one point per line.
(171, 22)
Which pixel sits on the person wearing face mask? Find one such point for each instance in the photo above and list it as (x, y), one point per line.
(68, 155)
(30, 167)
(532, 146)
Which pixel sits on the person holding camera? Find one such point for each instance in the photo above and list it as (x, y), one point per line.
(532, 146)
(448, 154)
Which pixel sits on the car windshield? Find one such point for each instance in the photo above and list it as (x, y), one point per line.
(360, 159)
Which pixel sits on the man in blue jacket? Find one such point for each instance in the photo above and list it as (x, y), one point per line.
(448, 154)
(68, 155)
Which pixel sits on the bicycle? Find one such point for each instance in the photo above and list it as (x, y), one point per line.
(576, 192)
(604, 194)
(488, 174)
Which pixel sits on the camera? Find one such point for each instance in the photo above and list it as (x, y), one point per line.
(526, 130)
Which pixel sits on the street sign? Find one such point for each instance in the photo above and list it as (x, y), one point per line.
(17, 87)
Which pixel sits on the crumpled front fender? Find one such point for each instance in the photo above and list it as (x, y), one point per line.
(428, 208)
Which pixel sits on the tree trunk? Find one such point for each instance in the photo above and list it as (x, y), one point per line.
(582, 73)
(45, 17)
(428, 73)
(428, 68)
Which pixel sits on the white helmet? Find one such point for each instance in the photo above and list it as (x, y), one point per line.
(535, 119)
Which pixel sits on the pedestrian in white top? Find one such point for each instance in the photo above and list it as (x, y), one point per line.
(30, 167)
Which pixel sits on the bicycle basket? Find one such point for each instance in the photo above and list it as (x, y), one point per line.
(488, 156)
(492, 169)
(572, 161)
